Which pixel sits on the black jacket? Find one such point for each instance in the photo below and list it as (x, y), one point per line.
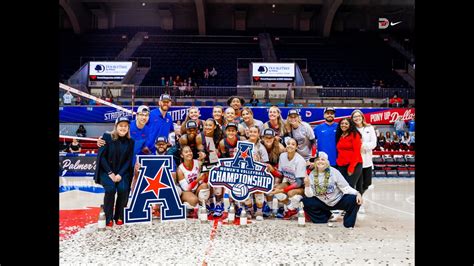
(119, 163)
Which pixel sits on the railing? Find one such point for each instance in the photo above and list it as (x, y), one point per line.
(225, 91)
(130, 94)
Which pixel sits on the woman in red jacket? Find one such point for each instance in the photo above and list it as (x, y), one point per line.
(348, 145)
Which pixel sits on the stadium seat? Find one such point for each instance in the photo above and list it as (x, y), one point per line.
(410, 158)
(399, 158)
(392, 173)
(403, 172)
(388, 158)
(377, 159)
(380, 173)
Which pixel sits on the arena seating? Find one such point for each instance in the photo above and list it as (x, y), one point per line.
(171, 56)
(97, 45)
(394, 164)
(349, 60)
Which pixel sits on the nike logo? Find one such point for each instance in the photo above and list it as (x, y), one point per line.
(395, 23)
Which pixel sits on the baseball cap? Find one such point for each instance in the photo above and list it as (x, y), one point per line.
(242, 101)
(319, 154)
(231, 124)
(122, 119)
(191, 124)
(269, 132)
(293, 112)
(165, 97)
(161, 139)
(329, 109)
(143, 108)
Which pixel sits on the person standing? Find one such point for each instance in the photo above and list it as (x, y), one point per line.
(411, 126)
(161, 123)
(301, 132)
(236, 103)
(114, 170)
(326, 135)
(400, 127)
(276, 122)
(349, 144)
(67, 97)
(369, 142)
(217, 114)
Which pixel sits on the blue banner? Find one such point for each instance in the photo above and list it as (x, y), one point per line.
(312, 115)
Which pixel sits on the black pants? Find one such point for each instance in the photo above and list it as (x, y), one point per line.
(319, 212)
(365, 180)
(354, 178)
(122, 189)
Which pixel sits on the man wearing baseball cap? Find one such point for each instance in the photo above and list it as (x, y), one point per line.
(161, 123)
(325, 134)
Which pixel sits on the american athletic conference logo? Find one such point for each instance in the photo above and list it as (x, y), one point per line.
(154, 185)
(241, 175)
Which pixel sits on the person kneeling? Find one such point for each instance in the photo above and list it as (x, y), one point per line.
(325, 190)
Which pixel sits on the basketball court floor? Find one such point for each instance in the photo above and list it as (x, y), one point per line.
(383, 235)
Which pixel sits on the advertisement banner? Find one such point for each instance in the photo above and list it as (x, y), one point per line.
(312, 115)
(110, 73)
(74, 165)
(110, 68)
(273, 71)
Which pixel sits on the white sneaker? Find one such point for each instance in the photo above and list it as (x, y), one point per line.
(335, 216)
(361, 209)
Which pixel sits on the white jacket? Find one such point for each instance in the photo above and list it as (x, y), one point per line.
(369, 142)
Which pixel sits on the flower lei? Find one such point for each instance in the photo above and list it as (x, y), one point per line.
(322, 190)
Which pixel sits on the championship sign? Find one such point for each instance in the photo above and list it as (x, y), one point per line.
(241, 174)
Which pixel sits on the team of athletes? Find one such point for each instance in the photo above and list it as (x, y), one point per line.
(331, 178)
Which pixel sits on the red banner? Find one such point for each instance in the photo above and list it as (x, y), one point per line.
(389, 116)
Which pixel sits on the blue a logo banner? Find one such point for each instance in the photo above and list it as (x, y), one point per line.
(154, 185)
(241, 174)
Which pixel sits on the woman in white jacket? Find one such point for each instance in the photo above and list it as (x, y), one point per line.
(369, 142)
